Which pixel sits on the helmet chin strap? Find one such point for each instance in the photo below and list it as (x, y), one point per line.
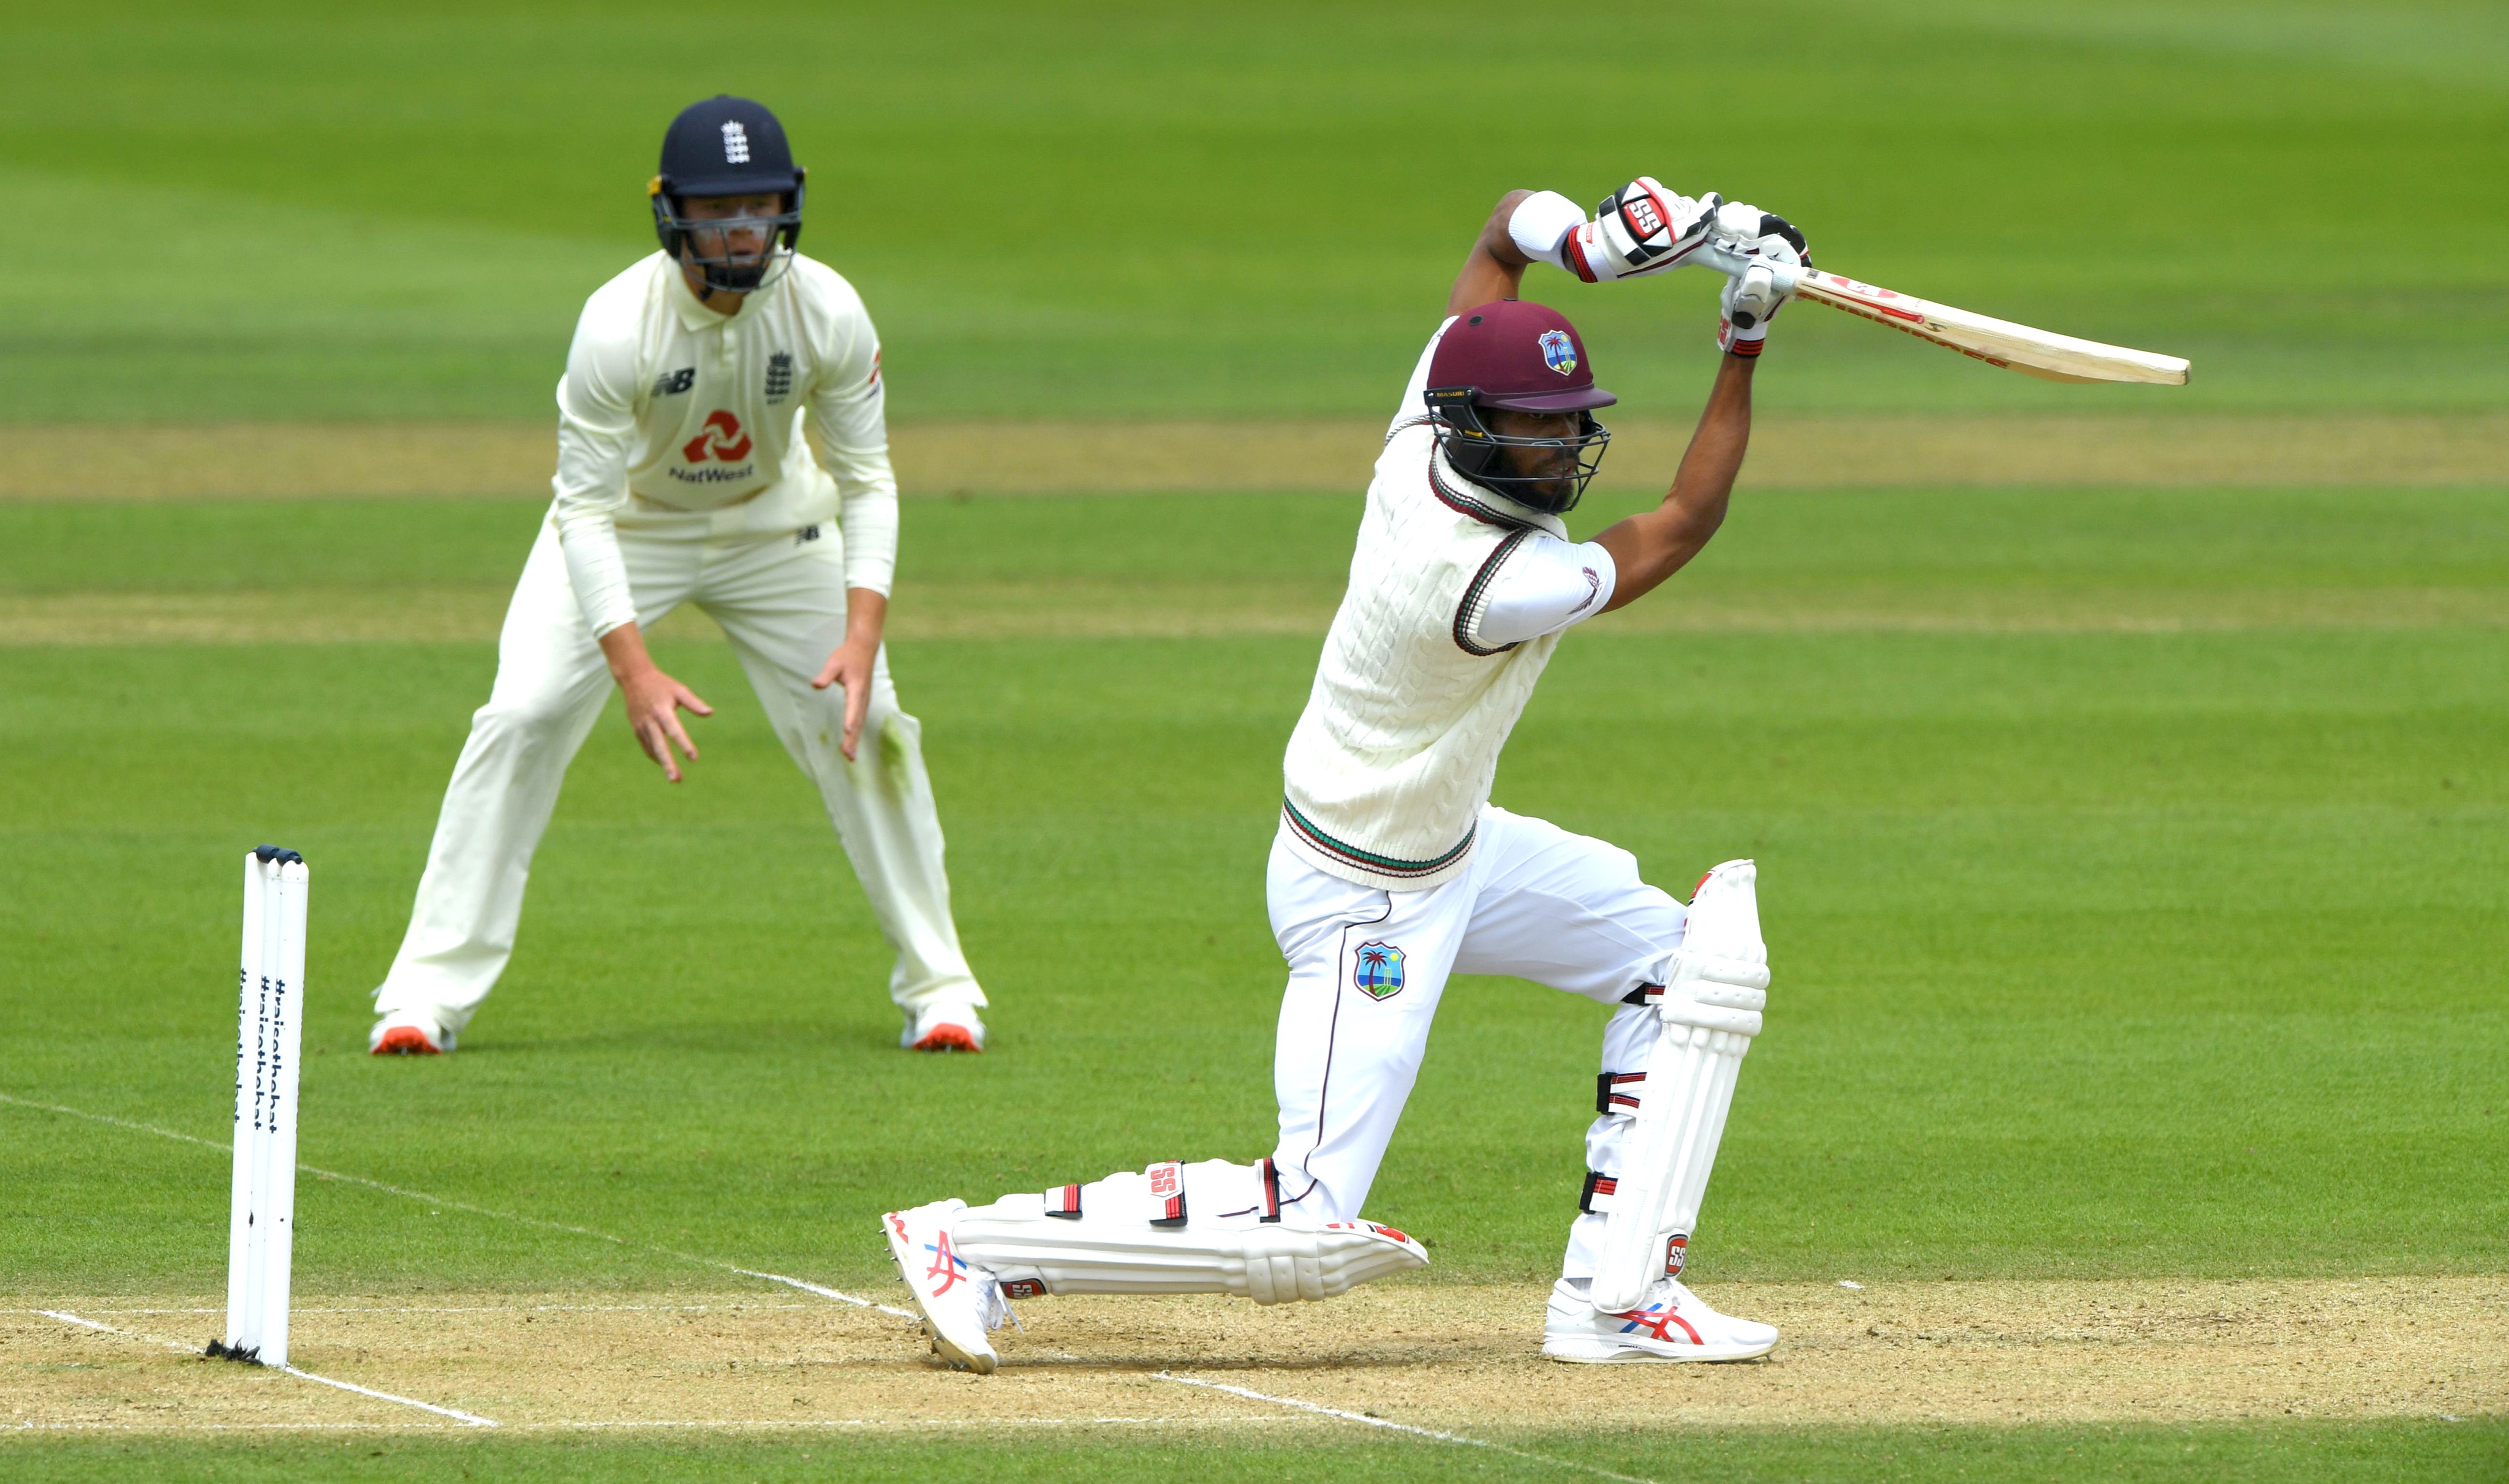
(731, 277)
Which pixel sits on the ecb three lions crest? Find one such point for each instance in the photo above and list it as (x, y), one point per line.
(1378, 971)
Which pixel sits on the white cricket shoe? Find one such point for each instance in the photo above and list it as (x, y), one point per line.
(944, 1028)
(1672, 1324)
(408, 1033)
(962, 1302)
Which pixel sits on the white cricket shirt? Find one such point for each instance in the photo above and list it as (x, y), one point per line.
(669, 411)
(1457, 596)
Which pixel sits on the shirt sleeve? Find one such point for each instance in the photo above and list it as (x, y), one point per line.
(596, 427)
(850, 415)
(1533, 584)
(1412, 406)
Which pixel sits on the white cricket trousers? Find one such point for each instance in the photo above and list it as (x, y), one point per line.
(1367, 968)
(781, 602)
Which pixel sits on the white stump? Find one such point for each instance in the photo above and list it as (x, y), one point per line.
(261, 1225)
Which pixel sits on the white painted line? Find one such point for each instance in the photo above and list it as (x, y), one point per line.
(466, 1419)
(118, 1123)
(841, 1298)
(315, 1171)
(1366, 1421)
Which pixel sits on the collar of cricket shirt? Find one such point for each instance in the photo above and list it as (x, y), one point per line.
(694, 317)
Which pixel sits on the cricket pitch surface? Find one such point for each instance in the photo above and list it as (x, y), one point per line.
(1445, 1359)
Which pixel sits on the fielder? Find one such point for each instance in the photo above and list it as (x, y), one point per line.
(1392, 870)
(683, 476)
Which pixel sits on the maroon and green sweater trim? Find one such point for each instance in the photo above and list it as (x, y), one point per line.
(1479, 590)
(1367, 860)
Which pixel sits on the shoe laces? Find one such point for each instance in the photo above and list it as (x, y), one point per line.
(1674, 1293)
(994, 1306)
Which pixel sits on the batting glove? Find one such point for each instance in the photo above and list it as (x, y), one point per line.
(1641, 228)
(1751, 245)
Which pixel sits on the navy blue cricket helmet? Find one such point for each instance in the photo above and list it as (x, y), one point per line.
(728, 146)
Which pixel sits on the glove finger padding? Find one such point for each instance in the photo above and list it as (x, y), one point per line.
(1641, 228)
(1749, 303)
(1774, 225)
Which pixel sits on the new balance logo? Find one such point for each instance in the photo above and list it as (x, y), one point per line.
(673, 383)
(735, 143)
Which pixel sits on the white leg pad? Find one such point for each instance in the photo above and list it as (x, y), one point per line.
(1714, 989)
(1134, 1234)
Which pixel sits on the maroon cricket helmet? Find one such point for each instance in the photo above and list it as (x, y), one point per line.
(1518, 356)
(1521, 357)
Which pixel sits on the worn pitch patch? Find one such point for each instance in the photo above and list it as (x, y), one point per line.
(1434, 1356)
(1797, 450)
(1222, 608)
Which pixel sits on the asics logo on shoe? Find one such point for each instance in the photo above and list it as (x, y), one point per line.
(1656, 1319)
(945, 1264)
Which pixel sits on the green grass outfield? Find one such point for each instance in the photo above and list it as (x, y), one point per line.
(2379, 1451)
(2133, 860)
(2099, 953)
(277, 212)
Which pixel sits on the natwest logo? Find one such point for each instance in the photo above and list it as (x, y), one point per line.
(722, 439)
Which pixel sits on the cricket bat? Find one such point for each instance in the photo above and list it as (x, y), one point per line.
(1995, 342)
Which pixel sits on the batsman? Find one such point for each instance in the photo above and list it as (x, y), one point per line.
(684, 476)
(1392, 870)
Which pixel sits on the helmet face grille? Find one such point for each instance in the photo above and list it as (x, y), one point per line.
(1543, 473)
(734, 254)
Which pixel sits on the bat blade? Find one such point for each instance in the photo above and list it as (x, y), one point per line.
(1997, 341)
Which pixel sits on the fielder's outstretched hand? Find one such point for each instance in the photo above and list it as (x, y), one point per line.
(655, 701)
(857, 659)
(851, 667)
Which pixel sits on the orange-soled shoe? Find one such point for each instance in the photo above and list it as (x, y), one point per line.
(950, 1038)
(945, 1028)
(402, 1034)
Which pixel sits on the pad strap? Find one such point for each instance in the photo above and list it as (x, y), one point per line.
(1270, 1179)
(1064, 1200)
(1615, 1091)
(1599, 1191)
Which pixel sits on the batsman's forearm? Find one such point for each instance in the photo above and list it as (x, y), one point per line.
(1646, 549)
(1495, 266)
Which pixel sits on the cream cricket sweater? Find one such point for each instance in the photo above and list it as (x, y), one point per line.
(1389, 767)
